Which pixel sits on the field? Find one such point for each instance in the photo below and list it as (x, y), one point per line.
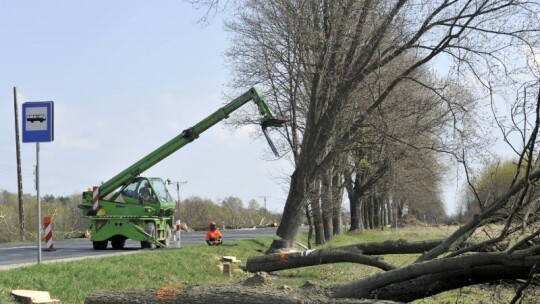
(200, 265)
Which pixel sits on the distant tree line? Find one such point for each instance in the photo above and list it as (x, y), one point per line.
(491, 183)
(68, 220)
(230, 212)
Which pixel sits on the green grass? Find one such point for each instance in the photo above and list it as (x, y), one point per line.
(71, 282)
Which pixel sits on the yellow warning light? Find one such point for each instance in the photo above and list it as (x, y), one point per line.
(101, 212)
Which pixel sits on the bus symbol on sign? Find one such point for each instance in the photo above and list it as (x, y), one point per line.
(37, 117)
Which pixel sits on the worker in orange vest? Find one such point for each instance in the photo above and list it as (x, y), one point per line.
(213, 235)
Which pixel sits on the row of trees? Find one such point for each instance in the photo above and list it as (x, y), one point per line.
(364, 111)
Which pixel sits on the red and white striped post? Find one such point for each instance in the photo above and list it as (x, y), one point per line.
(178, 235)
(95, 198)
(47, 223)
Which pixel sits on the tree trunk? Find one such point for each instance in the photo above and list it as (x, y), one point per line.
(319, 232)
(211, 294)
(382, 216)
(280, 261)
(372, 214)
(310, 225)
(355, 213)
(292, 212)
(336, 222)
(394, 247)
(337, 200)
(327, 205)
(354, 203)
(365, 212)
(328, 228)
(361, 208)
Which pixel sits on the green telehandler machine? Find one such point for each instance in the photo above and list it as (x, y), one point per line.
(129, 206)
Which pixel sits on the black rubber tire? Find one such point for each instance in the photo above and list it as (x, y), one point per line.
(100, 245)
(150, 228)
(167, 240)
(118, 243)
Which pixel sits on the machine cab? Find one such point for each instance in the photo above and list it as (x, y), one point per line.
(146, 191)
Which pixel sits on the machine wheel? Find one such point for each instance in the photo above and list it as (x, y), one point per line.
(150, 228)
(167, 240)
(100, 245)
(118, 243)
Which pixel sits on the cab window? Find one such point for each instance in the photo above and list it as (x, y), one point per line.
(146, 193)
(130, 190)
(161, 190)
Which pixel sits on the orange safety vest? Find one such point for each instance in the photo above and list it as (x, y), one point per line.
(213, 234)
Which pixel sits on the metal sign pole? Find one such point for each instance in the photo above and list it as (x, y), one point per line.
(38, 126)
(38, 204)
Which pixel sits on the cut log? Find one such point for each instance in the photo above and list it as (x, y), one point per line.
(222, 294)
(33, 297)
(257, 289)
(280, 261)
(395, 247)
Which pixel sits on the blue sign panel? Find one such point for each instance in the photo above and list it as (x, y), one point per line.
(38, 121)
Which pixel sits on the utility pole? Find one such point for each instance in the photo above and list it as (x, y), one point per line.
(178, 184)
(19, 175)
(264, 198)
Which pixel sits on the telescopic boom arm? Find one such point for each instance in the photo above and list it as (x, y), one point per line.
(191, 134)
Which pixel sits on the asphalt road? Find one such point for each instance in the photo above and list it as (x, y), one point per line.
(22, 254)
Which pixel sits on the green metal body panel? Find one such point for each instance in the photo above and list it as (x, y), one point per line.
(125, 216)
(108, 227)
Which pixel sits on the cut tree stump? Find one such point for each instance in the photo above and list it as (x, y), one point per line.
(33, 297)
(230, 259)
(227, 269)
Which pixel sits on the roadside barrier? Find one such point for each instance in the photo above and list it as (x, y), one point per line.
(178, 236)
(47, 223)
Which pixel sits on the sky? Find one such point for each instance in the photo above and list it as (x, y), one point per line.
(126, 77)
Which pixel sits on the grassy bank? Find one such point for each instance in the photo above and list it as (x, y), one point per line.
(199, 265)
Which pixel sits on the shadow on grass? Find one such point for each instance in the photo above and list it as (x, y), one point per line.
(229, 245)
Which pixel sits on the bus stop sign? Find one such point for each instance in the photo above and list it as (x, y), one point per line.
(38, 121)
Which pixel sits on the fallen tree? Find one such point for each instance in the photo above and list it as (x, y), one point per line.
(357, 253)
(280, 261)
(395, 247)
(421, 280)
